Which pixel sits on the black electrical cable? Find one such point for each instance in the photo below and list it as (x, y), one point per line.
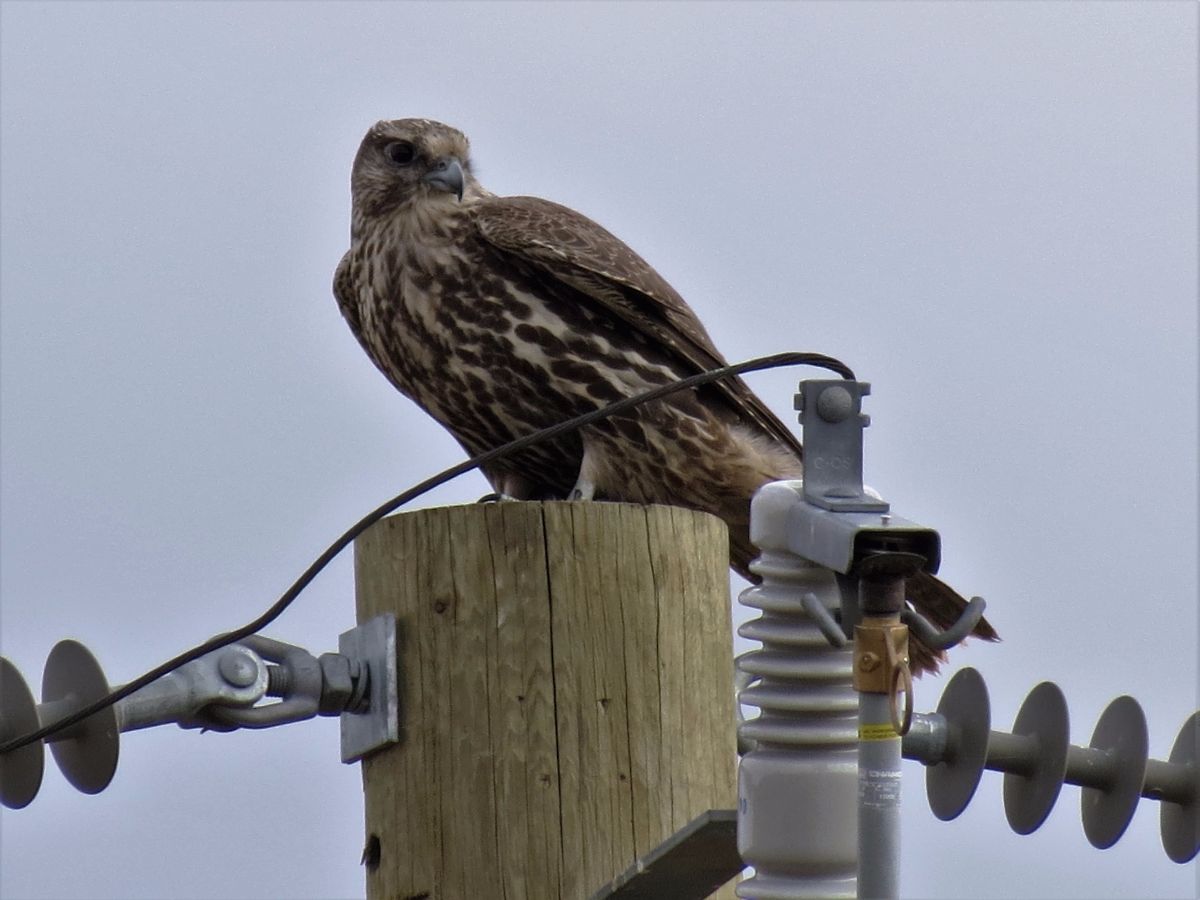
(774, 361)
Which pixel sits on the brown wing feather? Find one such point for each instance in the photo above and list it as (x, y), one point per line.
(344, 293)
(577, 251)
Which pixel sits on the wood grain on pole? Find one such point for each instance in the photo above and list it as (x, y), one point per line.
(566, 694)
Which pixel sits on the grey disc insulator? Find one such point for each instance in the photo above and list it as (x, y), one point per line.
(1029, 797)
(950, 785)
(20, 770)
(1121, 733)
(1180, 822)
(87, 754)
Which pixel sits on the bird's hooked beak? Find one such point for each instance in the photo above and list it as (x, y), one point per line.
(447, 175)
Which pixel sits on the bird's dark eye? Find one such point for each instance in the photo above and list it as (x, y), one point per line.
(400, 152)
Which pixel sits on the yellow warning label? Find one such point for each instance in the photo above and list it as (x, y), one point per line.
(876, 733)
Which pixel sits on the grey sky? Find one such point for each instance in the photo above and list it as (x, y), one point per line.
(989, 211)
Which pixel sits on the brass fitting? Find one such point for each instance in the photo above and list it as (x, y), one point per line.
(875, 642)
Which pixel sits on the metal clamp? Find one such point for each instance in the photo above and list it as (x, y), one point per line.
(310, 686)
(881, 667)
(87, 752)
(217, 692)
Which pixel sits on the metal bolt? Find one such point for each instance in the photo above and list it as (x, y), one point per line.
(868, 662)
(835, 404)
(237, 669)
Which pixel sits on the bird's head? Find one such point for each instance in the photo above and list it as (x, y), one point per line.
(411, 162)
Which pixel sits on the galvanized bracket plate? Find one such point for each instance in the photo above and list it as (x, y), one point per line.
(833, 421)
(689, 865)
(372, 646)
(782, 520)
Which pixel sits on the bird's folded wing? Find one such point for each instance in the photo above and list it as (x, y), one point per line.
(580, 253)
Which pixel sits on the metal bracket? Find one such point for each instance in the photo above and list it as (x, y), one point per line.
(372, 646)
(831, 519)
(839, 523)
(837, 540)
(689, 865)
(831, 413)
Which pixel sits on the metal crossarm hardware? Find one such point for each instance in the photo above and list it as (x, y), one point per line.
(217, 692)
(689, 865)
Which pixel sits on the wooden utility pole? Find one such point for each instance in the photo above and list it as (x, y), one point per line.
(566, 694)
